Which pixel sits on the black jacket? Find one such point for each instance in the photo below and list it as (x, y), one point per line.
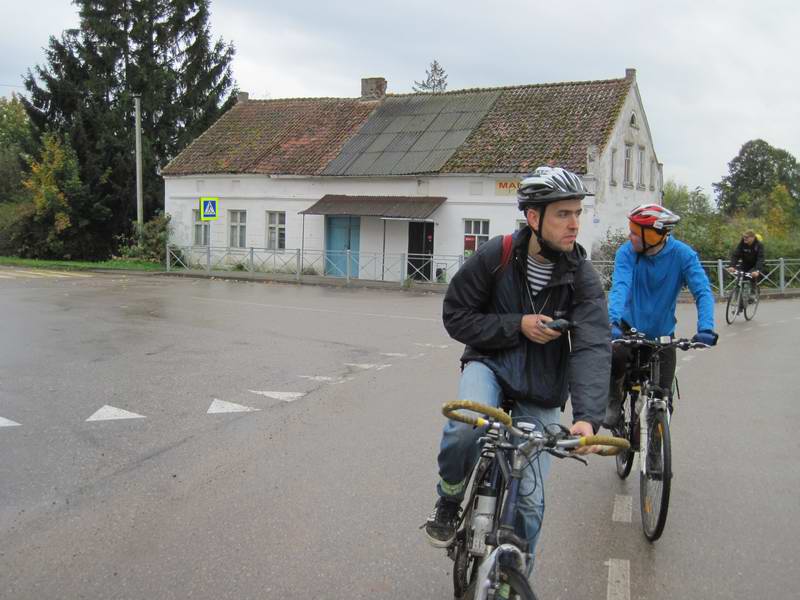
(751, 257)
(483, 309)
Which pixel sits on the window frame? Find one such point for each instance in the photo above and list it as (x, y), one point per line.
(481, 236)
(239, 226)
(278, 228)
(613, 168)
(640, 175)
(205, 229)
(627, 180)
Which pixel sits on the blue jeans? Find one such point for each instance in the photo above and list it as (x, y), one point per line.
(459, 450)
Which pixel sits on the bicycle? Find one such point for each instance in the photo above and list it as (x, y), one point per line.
(743, 298)
(646, 413)
(490, 558)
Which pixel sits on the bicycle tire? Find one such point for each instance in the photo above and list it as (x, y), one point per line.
(750, 309)
(732, 307)
(654, 486)
(466, 565)
(520, 588)
(624, 460)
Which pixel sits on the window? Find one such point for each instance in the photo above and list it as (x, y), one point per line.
(628, 180)
(238, 227)
(201, 229)
(640, 170)
(613, 166)
(475, 234)
(521, 225)
(633, 121)
(652, 174)
(276, 230)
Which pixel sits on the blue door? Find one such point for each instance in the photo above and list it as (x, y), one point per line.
(341, 234)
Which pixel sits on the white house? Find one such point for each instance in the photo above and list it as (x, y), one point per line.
(396, 186)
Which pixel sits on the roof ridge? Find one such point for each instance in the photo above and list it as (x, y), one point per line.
(514, 87)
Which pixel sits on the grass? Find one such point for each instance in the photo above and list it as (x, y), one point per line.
(81, 265)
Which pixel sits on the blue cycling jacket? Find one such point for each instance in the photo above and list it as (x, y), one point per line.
(645, 288)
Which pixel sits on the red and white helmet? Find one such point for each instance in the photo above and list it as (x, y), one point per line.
(654, 216)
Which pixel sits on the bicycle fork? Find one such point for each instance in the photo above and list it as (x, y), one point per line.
(650, 405)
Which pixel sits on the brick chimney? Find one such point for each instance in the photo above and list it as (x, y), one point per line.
(373, 88)
(242, 97)
(630, 74)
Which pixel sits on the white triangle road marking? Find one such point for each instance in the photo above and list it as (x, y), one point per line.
(221, 406)
(111, 413)
(394, 354)
(316, 378)
(367, 366)
(285, 396)
(441, 346)
(8, 423)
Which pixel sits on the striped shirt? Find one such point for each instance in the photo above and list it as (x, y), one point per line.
(538, 274)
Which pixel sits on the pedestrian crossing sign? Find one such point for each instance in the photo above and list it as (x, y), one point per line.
(208, 209)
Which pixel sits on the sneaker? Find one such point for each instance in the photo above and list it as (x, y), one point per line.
(441, 525)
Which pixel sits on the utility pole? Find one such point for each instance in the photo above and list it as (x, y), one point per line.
(137, 98)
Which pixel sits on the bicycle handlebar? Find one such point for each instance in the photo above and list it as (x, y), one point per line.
(681, 343)
(501, 418)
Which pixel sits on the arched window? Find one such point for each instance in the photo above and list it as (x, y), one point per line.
(633, 120)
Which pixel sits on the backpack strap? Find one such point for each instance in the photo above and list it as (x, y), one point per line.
(505, 259)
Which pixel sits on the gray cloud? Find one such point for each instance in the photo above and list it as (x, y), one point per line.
(712, 75)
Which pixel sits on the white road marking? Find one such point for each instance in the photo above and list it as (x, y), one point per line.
(732, 335)
(284, 396)
(619, 579)
(323, 378)
(8, 423)
(749, 329)
(688, 358)
(441, 346)
(394, 354)
(764, 325)
(367, 366)
(221, 406)
(342, 380)
(321, 310)
(420, 355)
(7, 277)
(623, 508)
(111, 413)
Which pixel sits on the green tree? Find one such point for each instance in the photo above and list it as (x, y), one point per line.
(435, 80)
(753, 174)
(60, 209)
(159, 49)
(17, 145)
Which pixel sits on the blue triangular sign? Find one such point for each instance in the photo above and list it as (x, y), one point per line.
(210, 209)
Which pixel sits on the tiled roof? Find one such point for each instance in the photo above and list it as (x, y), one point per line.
(291, 137)
(496, 130)
(533, 125)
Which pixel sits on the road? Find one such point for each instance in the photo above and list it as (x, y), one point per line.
(316, 485)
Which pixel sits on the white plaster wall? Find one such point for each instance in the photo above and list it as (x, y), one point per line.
(613, 202)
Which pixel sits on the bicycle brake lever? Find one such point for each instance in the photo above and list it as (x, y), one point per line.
(562, 454)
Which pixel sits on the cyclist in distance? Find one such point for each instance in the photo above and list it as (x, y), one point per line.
(748, 256)
(649, 271)
(498, 304)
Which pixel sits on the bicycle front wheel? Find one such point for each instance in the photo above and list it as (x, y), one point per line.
(654, 482)
(513, 585)
(751, 306)
(732, 308)
(625, 457)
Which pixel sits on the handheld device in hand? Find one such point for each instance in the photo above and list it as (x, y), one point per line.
(558, 325)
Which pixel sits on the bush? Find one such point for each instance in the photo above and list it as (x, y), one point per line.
(153, 247)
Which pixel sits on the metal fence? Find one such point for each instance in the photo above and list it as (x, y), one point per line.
(780, 274)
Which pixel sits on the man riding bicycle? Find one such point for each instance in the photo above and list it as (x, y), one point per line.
(499, 312)
(649, 271)
(748, 256)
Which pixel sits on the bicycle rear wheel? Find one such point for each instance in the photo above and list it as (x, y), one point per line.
(514, 586)
(751, 308)
(654, 485)
(732, 308)
(625, 457)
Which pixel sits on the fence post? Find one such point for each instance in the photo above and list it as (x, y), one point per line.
(720, 272)
(403, 268)
(460, 260)
(168, 261)
(782, 275)
(208, 258)
(252, 266)
(348, 265)
(299, 265)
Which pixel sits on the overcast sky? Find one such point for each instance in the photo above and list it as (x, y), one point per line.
(712, 74)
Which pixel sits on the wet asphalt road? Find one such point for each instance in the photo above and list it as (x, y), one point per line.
(321, 496)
